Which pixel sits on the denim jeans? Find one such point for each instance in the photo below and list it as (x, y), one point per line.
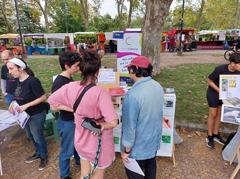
(148, 166)
(8, 99)
(34, 129)
(66, 132)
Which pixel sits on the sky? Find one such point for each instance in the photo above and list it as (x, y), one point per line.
(110, 7)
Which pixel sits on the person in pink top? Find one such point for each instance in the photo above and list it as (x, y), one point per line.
(96, 104)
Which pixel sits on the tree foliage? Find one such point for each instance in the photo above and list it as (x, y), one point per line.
(66, 17)
(29, 17)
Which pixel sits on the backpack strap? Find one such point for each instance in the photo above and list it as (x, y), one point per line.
(77, 102)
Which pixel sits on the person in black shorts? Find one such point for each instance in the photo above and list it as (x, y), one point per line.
(214, 103)
(30, 96)
(69, 63)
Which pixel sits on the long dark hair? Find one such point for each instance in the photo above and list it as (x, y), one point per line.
(27, 69)
(89, 66)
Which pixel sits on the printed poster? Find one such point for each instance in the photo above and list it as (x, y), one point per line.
(128, 48)
(166, 143)
(229, 86)
(230, 114)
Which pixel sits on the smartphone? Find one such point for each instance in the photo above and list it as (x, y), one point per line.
(89, 124)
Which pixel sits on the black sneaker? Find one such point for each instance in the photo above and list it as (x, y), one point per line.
(218, 139)
(32, 158)
(210, 142)
(43, 163)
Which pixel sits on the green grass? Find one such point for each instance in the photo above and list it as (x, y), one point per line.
(189, 81)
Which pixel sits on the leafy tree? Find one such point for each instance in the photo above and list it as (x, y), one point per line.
(220, 14)
(66, 16)
(96, 5)
(133, 5)
(44, 9)
(6, 13)
(29, 17)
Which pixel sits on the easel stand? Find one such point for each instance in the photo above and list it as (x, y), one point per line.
(173, 156)
(1, 172)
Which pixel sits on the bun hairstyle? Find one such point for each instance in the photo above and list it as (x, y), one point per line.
(235, 57)
(89, 66)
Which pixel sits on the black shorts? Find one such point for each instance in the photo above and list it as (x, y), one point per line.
(213, 99)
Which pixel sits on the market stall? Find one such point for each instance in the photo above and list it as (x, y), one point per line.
(35, 44)
(58, 42)
(11, 42)
(217, 39)
(172, 37)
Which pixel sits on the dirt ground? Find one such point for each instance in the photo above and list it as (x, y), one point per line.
(193, 158)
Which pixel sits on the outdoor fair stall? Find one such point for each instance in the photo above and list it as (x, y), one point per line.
(56, 43)
(35, 44)
(85, 40)
(217, 39)
(11, 42)
(188, 40)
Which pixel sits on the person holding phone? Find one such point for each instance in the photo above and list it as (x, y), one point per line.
(95, 105)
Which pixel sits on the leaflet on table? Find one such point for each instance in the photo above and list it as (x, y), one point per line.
(229, 86)
(20, 117)
(6, 120)
(106, 76)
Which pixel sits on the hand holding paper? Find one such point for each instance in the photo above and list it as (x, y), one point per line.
(133, 166)
(20, 117)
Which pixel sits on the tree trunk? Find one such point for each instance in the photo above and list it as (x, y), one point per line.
(120, 5)
(156, 12)
(45, 13)
(130, 13)
(84, 8)
(199, 17)
(3, 9)
(236, 23)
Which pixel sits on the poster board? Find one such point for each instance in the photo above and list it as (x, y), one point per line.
(108, 78)
(55, 43)
(128, 47)
(229, 86)
(230, 114)
(167, 143)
